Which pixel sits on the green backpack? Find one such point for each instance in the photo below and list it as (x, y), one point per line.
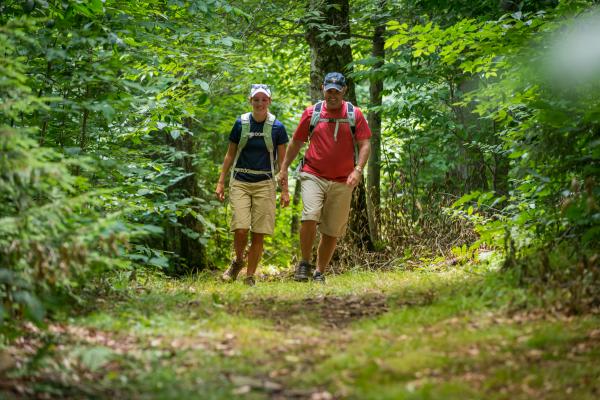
(246, 134)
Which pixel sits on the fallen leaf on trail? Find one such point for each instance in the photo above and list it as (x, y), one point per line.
(279, 372)
(241, 390)
(473, 351)
(321, 396)
(534, 354)
(292, 358)
(246, 383)
(595, 334)
(272, 386)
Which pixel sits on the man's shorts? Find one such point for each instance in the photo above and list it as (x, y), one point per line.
(327, 202)
(253, 206)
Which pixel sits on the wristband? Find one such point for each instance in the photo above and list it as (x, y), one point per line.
(358, 169)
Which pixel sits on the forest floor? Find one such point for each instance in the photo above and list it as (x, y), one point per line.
(461, 332)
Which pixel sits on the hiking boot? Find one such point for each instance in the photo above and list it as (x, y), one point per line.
(319, 277)
(232, 272)
(249, 280)
(302, 271)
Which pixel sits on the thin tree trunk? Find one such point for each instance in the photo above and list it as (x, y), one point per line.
(374, 166)
(83, 133)
(295, 201)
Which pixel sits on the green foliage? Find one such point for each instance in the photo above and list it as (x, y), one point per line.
(483, 106)
(54, 232)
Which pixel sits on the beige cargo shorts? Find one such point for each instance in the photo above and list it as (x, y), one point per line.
(327, 202)
(253, 206)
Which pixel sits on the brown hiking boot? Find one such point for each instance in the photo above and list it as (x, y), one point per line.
(249, 280)
(232, 272)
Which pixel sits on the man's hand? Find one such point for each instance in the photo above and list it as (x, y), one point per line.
(285, 198)
(354, 178)
(283, 183)
(220, 191)
(283, 178)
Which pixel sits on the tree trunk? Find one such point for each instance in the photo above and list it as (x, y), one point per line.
(191, 251)
(374, 166)
(327, 33)
(328, 21)
(295, 201)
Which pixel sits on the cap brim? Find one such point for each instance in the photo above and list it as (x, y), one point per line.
(333, 86)
(261, 90)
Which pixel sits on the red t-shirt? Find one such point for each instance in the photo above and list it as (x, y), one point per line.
(325, 157)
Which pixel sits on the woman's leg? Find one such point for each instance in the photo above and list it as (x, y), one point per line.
(240, 240)
(255, 252)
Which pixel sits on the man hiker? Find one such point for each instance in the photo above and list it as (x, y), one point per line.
(338, 150)
(256, 142)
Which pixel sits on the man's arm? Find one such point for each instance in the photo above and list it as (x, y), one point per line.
(364, 149)
(291, 153)
(285, 194)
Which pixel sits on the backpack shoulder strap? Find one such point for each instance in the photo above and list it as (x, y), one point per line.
(245, 118)
(267, 129)
(351, 117)
(314, 120)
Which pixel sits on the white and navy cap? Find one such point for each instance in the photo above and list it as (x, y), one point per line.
(259, 88)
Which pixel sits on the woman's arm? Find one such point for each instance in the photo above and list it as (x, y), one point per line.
(229, 157)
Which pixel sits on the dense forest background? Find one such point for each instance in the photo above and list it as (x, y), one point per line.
(115, 115)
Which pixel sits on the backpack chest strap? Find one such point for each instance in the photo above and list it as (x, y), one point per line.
(256, 134)
(346, 120)
(337, 122)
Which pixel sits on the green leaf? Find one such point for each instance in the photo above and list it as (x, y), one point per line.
(203, 84)
(94, 358)
(34, 309)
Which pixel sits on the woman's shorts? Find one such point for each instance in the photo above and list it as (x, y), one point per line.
(253, 206)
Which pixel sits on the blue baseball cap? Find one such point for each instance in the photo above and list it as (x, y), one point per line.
(334, 80)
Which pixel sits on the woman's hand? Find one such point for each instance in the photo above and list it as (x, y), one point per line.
(220, 191)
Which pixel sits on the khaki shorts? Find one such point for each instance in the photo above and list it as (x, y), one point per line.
(327, 202)
(253, 206)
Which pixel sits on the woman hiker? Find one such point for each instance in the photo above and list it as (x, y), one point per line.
(256, 143)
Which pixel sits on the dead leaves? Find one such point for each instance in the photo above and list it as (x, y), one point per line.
(246, 384)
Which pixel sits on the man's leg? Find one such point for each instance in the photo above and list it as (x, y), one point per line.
(255, 252)
(325, 251)
(308, 232)
(334, 218)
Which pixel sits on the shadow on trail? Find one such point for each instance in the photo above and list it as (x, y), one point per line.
(329, 310)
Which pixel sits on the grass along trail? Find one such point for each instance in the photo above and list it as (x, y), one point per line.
(460, 333)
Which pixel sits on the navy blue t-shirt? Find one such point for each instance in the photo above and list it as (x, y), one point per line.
(255, 154)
